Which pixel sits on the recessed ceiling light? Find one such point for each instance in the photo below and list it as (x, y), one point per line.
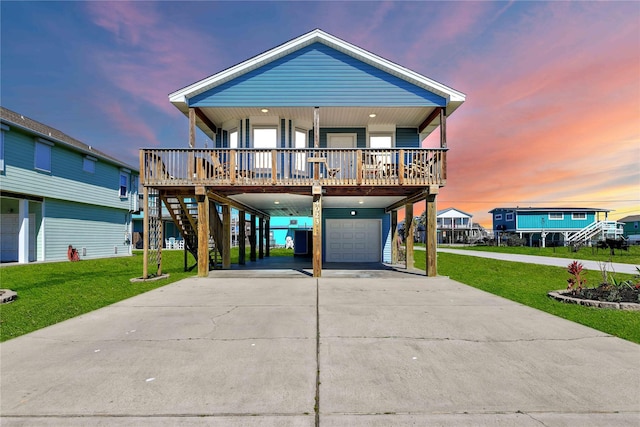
(360, 202)
(277, 202)
(372, 115)
(265, 110)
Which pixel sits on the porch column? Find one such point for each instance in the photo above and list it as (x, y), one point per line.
(261, 241)
(192, 127)
(409, 230)
(432, 236)
(226, 236)
(394, 236)
(443, 140)
(242, 236)
(23, 231)
(203, 233)
(252, 239)
(145, 235)
(317, 233)
(267, 233)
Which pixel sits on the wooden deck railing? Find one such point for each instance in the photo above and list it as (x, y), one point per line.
(293, 167)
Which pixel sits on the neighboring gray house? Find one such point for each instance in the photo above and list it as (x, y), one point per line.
(57, 191)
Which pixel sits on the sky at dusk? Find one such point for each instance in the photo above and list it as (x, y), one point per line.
(552, 116)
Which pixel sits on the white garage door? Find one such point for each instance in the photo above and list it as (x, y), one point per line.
(353, 240)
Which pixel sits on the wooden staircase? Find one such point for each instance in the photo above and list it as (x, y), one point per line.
(184, 213)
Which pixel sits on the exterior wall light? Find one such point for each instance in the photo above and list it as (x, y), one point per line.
(354, 213)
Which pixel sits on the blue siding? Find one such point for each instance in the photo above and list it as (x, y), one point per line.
(317, 75)
(345, 213)
(101, 231)
(407, 138)
(67, 180)
(533, 220)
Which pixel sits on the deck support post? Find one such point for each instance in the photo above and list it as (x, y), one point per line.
(394, 236)
(408, 234)
(226, 236)
(267, 234)
(203, 233)
(252, 239)
(242, 237)
(317, 233)
(432, 236)
(145, 233)
(261, 241)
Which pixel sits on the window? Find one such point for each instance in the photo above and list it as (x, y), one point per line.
(498, 217)
(579, 215)
(508, 217)
(233, 138)
(300, 142)
(89, 164)
(264, 137)
(43, 155)
(3, 128)
(380, 140)
(124, 184)
(556, 216)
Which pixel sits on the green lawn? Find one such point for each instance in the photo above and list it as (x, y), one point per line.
(49, 293)
(632, 256)
(528, 284)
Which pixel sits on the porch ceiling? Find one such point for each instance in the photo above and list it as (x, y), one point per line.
(329, 116)
(301, 205)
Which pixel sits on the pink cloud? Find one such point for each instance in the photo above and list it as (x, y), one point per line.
(551, 115)
(155, 57)
(127, 122)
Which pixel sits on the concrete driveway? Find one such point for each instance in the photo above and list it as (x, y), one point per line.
(398, 350)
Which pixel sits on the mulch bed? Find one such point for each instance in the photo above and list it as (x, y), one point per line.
(607, 293)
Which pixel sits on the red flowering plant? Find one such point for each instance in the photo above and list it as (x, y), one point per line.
(576, 281)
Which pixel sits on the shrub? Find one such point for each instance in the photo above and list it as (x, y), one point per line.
(576, 281)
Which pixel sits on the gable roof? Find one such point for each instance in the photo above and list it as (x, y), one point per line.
(11, 118)
(630, 218)
(457, 213)
(454, 98)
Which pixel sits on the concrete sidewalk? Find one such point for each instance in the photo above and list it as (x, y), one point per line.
(297, 351)
(612, 267)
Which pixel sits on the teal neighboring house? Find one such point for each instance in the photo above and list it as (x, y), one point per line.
(631, 225)
(57, 191)
(541, 226)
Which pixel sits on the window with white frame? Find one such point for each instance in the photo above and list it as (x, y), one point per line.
(508, 217)
(263, 138)
(3, 129)
(579, 215)
(89, 164)
(556, 216)
(381, 141)
(498, 217)
(42, 159)
(124, 184)
(300, 141)
(233, 138)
